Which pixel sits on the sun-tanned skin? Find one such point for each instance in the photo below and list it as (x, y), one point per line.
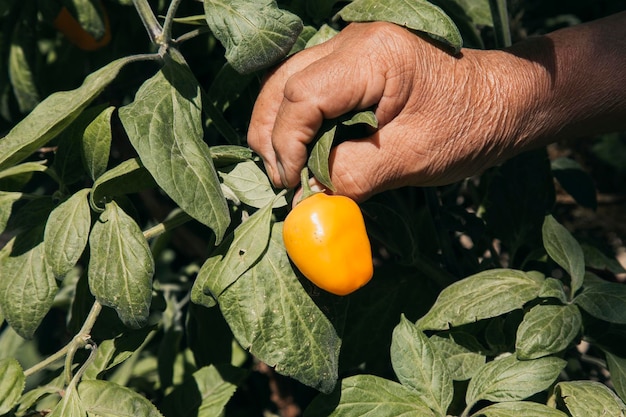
(442, 118)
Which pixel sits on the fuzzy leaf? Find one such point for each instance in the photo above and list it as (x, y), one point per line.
(251, 185)
(27, 284)
(164, 125)
(70, 405)
(519, 408)
(205, 394)
(369, 396)
(233, 257)
(420, 367)
(6, 207)
(97, 143)
(107, 399)
(461, 362)
(565, 250)
(509, 379)
(54, 114)
(255, 34)
(128, 177)
(590, 398)
(605, 301)
(11, 384)
(22, 61)
(318, 160)
(617, 369)
(272, 315)
(484, 295)
(121, 266)
(547, 329)
(67, 233)
(418, 15)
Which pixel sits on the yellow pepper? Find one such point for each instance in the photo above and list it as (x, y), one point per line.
(326, 239)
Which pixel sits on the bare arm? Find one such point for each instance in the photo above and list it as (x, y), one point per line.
(442, 118)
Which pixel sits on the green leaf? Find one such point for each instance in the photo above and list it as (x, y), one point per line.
(606, 301)
(483, 295)
(54, 114)
(107, 399)
(462, 362)
(112, 352)
(251, 185)
(90, 16)
(67, 232)
(97, 143)
(255, 34)
(617, 369)
(11, 384)
(553, 288)
(420, 367)
(22, 59)
(70, 405)
(509, 379)
(6, 207)
(565, 250)
(517, 409)
(227, 86)
(121, 266)
(547, 329)
(233, 257)
(164, 125)
(25, 168)
(27, 284)
(575, 181)
(272, 315)
(369, 396)
(323, 34)
(590, 398)
(367, 117)
(477, 11)
(224, 155)
(205, 394)
(418, 15)
(596, 259)
(318, 159)
(128, 177)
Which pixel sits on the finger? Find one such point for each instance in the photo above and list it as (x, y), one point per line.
(268, 102)
(327, 88)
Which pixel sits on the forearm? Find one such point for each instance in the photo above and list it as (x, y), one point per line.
(579, 75)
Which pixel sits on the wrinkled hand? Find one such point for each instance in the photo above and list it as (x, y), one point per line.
(441, 118)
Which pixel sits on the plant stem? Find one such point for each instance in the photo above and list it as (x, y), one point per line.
(149, 20)
(501, 26)
(81, 339)
(78, 339)
(304, 182)
(191, 34)
(175, 220)
(166, 35)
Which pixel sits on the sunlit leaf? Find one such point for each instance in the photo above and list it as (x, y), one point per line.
(590, 398)
(67, 233)
(121, 266)
(164, 125)
(420, 367)
(272, 315)
(11, 384)
(54, 114)
(369, 396)
(518, 409)
(250, 185)
(107, 399)
(547, 329)
(565, 250)
(255, 33)
(509, 379)
(97, 143)
(415, 14)
(128, 177)
(462, 362)
(483, 295)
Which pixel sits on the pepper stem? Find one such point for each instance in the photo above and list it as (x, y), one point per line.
(304, 182)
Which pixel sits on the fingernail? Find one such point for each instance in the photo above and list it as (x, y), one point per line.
(281, 173)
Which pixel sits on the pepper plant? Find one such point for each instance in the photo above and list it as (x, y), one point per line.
(143, 272)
